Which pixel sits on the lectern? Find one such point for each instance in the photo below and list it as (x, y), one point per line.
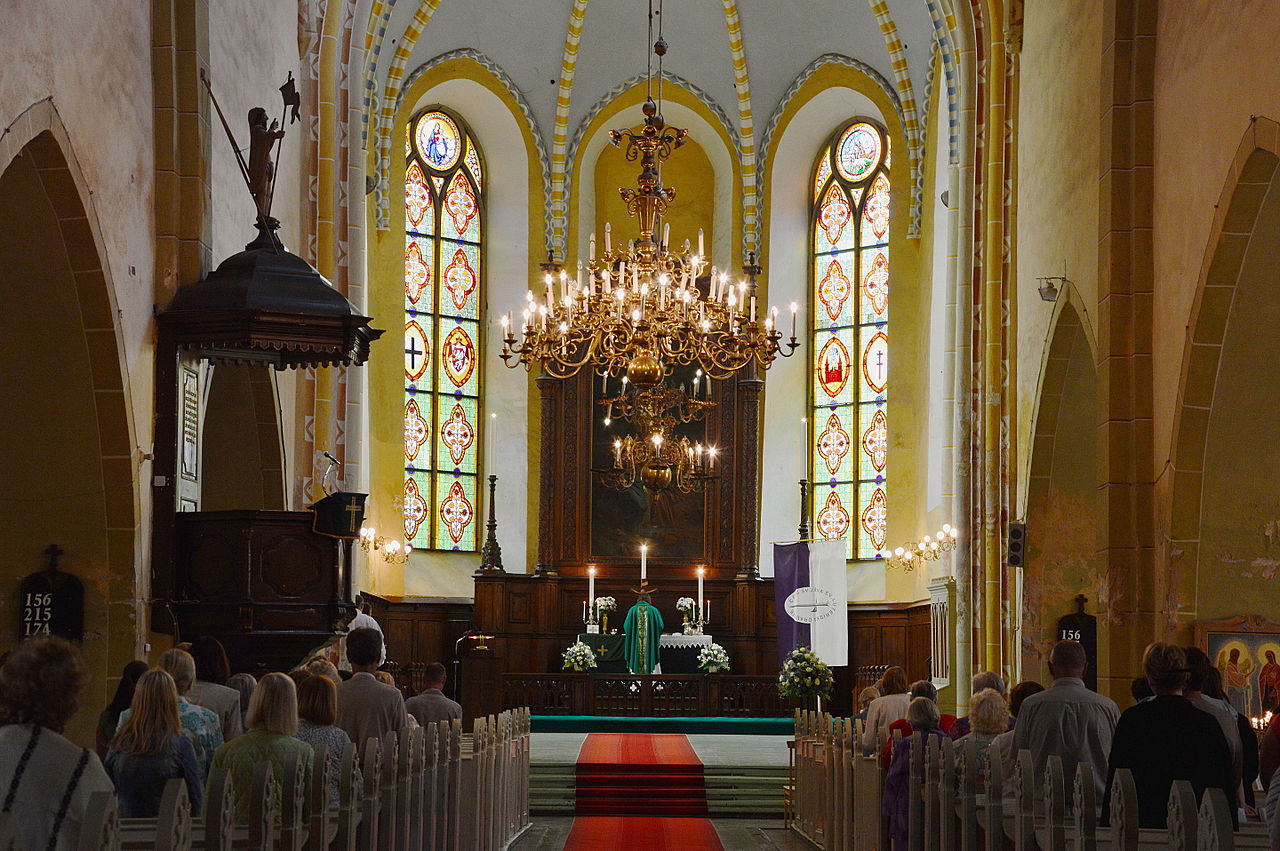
(340, 515)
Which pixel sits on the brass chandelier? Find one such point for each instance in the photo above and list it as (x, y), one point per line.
(636, 312)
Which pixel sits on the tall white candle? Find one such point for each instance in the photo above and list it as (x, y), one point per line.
(701, 572)
(644, 562)
(591, 587)
(608, 238)
(701, 253)
(584, 611)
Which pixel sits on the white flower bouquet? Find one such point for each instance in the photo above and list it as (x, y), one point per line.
(606, 604)
(713, 658)
(579, 656)
(804, 675)
(686, 605)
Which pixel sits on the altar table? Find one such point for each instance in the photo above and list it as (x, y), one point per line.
(679, 653)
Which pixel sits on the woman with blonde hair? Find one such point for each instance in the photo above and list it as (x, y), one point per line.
(149, 750)
(317, 710)
(200, 726)
(272, 723)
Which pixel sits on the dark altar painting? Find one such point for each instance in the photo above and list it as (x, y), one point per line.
(1246, 651)
(671, 523)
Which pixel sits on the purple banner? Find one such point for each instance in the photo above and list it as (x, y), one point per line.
(790, 571)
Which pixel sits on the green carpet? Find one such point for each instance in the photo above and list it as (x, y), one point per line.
(623, 724)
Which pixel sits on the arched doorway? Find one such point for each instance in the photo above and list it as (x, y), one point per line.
(69, 466)
(1062, 529)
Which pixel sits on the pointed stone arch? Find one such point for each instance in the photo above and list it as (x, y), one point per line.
(72, 462)
(1061, 496)
(1242, 238)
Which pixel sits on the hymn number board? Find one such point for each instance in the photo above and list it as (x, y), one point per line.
(1083, 628)
(52, 602)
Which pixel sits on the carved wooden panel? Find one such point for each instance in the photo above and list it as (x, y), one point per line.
(520, 607)
(290, 564)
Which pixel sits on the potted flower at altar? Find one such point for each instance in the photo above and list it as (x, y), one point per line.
(805, 676)
(713, 659)
(579, 657)
(604, 605)
(685, 606)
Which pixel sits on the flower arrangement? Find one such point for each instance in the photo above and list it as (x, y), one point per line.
(579, 656)
(604, 605)
(713, 658)
(686, 605)
(804, 675)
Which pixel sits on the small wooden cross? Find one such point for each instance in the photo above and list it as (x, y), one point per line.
(53, 552)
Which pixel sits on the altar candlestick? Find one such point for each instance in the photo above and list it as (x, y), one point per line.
(591, 587)
(644, 563)
(701, 572)
(584, 611)
(706, 611)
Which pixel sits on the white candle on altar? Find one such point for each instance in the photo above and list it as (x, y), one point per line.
(584, 611)
(706, 611)
(591, 586)
(701, 572)
(644, 562)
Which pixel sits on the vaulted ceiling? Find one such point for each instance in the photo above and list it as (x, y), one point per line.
(571, 53)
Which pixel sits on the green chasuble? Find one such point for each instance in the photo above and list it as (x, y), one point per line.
(643, 626)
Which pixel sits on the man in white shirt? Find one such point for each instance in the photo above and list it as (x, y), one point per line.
(363, 620)
(1068, 719)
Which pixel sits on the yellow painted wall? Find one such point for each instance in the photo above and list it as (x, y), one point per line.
(688, 170)
(1058, 167)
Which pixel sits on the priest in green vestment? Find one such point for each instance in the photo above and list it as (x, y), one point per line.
(643, 626)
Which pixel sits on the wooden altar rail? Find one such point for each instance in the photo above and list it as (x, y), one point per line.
(652, 695)
(420, 788)
(837, 801)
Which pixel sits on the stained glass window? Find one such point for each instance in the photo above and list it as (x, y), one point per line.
(849, 425)
(443, 278)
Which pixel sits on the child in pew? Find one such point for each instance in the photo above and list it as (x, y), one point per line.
(924, 718)
(149, 750)
(272, 720)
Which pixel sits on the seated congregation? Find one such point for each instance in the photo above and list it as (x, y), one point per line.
(190, 756)
(1042, 767)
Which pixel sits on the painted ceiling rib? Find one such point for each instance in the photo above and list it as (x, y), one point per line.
(746, 132)
(910, 115)
(390, 98)
(375, 34)
(942, 36)
(558, 201)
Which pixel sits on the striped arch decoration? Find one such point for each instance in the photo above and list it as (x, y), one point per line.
(910, 116)
(382, 199)
(611, 95)
(391, 103)
(771, 128)
(946, 48)
(746, 133)
(558, 206)
(375, 33)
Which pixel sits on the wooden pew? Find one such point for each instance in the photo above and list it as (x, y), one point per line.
(319, 813)
(370, 801)
(100, 828)
(350, 787)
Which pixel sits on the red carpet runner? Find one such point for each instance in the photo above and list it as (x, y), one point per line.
(604, 833)
(636, 774)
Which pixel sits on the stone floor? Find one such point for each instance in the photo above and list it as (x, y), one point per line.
(728, 750)
(550, 833)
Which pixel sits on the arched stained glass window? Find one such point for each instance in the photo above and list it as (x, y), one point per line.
(444, 211)
(848, 428)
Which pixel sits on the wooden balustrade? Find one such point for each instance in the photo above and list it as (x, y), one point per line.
(663, 695)
(957, 803)
(419, 788)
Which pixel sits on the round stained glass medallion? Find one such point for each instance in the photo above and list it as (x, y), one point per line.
(858, 152)
(439, 142)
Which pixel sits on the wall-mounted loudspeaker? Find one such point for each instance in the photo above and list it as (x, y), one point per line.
(1017, 544)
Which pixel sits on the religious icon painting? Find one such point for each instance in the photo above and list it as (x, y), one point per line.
(443, 286)
(439, 142)
(850, 291)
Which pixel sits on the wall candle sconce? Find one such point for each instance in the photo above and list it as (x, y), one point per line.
(912, 554)
(392, 551)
